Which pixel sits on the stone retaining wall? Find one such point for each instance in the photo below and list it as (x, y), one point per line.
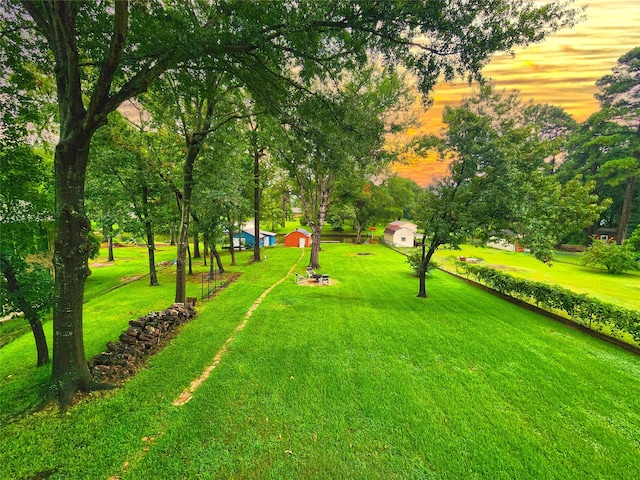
(145, 336)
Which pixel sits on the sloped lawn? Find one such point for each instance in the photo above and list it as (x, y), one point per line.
(622, 290)
(359, 379)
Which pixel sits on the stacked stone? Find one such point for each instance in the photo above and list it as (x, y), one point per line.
(145, 336)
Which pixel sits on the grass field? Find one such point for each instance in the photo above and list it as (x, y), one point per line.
(359, 379)
(565, 270)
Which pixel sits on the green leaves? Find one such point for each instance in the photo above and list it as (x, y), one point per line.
(26, 287)
(619, 170)
(498, 183)
(616, 258)
(606, 148)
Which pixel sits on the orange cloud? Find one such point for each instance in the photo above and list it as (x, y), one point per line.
(562, 71)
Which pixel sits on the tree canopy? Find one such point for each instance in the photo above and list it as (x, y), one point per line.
(105, 53)
(498, 184)
(606, 147)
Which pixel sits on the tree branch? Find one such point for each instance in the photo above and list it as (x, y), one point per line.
(113, 58)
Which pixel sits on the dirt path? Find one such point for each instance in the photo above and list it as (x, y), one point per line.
(188, 392)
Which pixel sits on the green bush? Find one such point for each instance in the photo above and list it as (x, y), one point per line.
(583, 309)
(633, 242)
(94, 240)
(616, 258)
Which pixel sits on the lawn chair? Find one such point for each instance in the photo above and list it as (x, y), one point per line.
(300, 279)
(325, 279)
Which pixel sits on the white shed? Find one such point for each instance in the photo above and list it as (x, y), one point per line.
(400, 234)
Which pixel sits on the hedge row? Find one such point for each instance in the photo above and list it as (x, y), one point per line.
(581, 308)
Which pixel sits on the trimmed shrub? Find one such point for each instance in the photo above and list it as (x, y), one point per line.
(581, 308)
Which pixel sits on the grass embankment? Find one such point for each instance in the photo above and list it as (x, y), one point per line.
(360, 379)
(622, 290)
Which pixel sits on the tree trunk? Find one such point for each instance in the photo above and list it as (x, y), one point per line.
(183, 239)
(210, 264)
(172, 235)
(196, 245)
(32, 316)
(151, 253)
(190, 263)
(40, 339)
(358, 232)
(424, 265)
(316, 227)
(314, 259)
(232, 248)
(216, 254)
(110, 257)
(206, 249)
(70, 371)
(283, 205)
(256, 205)
(623, 225)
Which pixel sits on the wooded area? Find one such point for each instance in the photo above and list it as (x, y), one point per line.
(192, 118)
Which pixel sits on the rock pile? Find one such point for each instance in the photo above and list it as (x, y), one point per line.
(145, 336)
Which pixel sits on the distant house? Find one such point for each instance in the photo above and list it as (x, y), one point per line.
(502, 244)
(247, 237)
(400, 234)
(605, 234)
(298, 238)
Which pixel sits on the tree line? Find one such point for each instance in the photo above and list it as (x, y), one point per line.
(233, 100)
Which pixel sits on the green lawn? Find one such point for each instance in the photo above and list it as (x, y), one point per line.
(129, 262)
(359, 379)
(565, 270)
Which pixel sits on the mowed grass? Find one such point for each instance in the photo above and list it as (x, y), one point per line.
(359, 379)
(565, 271)
(130, 262)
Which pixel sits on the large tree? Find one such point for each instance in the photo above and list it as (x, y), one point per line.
(104, 53)
(606, 147)
(126, 179)
(498, 185)
(334, 139)
(219, 200)
(26, 205)
(258, 133)
(27, 288)
(619, 96)
(196, 104)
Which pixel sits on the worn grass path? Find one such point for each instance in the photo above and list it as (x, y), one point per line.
(102, 432)
(188, 392)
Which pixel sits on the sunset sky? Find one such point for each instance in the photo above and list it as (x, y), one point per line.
(561, 71)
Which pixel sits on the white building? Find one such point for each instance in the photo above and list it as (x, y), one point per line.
(400, 234)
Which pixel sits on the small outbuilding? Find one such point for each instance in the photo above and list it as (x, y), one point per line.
(400, 234)
(247, 237)
(605, 234)
(298, 238)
